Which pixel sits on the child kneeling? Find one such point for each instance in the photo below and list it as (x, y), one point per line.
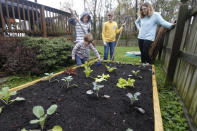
(80, 52)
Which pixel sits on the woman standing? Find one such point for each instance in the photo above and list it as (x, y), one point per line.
(147, 24)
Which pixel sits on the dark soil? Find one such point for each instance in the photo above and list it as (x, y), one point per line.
(78, 111)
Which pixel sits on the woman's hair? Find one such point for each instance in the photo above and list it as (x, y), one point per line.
(88, 37)
(149, 7)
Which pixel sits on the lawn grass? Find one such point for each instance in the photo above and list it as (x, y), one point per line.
(120, 54)
(172, 114)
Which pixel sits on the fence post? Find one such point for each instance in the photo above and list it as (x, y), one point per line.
(2, 17)
(43, 22)
(182, 17)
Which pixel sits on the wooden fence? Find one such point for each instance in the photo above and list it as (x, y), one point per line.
(179, 58)
(22, 17)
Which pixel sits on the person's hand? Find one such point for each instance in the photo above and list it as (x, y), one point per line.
(104, 43)
(71, 11)
(174, 23)
(73, 58)
(99, 58)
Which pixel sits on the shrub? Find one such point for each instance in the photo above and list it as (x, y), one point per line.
(36, 55)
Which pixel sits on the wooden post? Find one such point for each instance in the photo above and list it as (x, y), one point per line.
(43, 22)
(29, 23)
(8, 15)
(19, 16)
(182, 17)
(13, 12)
(2, 18)
(33, 19)
(24, 18)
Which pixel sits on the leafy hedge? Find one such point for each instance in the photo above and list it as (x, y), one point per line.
(36, 55)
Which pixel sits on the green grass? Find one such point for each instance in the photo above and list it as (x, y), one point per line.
(171, 110)
(172, 114)
(120, 54)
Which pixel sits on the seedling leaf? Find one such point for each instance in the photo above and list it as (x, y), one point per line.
(34, 121)
(38, 111)
(19, 99)
(51, 109)
(57, 128)
(89, 92)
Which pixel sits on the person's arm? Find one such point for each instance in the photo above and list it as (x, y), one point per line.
(118, 30)
(94, 50)
(138, 23)
(74, 51)
(72, 21)
(163, 22)
(103, 35)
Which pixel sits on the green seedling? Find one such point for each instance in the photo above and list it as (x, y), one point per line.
(122, 83)
(110, 69)
(49, 76)
(38, 111)
(129, 129)
(5, 95)
(101, 78)
(55, 128)
(87, 71)
(132, 97)
(95, 90)
(67, 80)
(136, 73)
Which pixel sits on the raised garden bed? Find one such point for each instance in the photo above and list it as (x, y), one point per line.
(78, 111)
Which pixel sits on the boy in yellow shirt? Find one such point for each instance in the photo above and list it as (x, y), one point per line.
(110, 29)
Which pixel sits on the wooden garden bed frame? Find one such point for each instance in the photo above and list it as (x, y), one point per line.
(158, 124)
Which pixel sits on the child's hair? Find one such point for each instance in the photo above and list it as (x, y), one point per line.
(110, 14)
(88, 38)
(150, 9)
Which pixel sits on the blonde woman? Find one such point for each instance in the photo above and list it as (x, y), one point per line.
(147, 24)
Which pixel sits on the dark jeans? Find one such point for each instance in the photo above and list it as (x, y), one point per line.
(111, 46)
(144, 46)
(79, 60)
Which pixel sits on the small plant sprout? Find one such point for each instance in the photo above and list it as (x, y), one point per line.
(38, 111)
(122, 83)
(110, 69)
(67, 79)
(55, 128)
(101, 78)
(48, 76)
(135, 72)
(87, 71)
(133, 98)
(129, 129)
(5, 95)
(95, 90)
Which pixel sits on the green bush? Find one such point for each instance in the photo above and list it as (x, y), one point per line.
(39, 55)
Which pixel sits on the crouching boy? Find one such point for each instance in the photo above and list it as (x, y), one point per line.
(80, 52)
